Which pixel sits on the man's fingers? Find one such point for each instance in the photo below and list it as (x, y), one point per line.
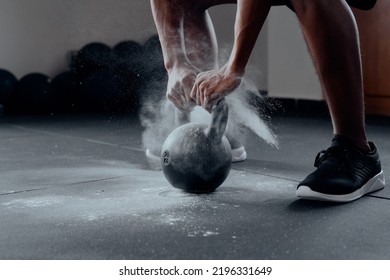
(204, 89)
(195, 93)
(188, 91)
(186, 106)
(211, 101)
(175, 100)
(180, 102)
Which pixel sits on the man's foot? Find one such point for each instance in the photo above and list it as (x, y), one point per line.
(238, 154)
(238, 150)
(150, 155)
(344, 173)
(153, 159)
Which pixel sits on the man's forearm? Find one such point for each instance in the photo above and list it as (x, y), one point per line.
(168, 17)
(250, 18)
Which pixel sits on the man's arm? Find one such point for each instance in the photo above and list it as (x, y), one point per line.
(250, 18)
(169, 16)
(213, 85)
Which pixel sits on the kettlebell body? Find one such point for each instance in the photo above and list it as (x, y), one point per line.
(197, 158)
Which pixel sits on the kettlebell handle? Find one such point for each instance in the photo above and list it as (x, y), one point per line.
(219, 120)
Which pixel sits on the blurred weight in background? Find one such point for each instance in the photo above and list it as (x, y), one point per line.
(99, 78)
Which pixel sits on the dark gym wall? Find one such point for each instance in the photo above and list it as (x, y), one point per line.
(375, 43)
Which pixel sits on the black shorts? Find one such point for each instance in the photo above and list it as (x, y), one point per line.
(359, 4)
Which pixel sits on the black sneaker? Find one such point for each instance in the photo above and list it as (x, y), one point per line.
(344, 173)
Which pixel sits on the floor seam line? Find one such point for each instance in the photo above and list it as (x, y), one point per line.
(267, 175)
(61, 186)
(78, 137)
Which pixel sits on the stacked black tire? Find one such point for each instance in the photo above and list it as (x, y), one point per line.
(99, 78)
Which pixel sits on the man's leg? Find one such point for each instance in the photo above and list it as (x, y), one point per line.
(350, 168)
(332, 37)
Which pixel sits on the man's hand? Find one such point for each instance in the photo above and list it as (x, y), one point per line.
(180, 82)
(211, 86)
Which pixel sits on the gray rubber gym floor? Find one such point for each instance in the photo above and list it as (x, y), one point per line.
(79, 187)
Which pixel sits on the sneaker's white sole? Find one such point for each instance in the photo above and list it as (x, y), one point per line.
(376, 183)
(238, 155)
(152, 156)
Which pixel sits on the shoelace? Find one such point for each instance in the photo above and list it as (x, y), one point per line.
(341, 154)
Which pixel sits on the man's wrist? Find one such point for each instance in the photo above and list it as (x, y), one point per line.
(176, 64)
(235, 69)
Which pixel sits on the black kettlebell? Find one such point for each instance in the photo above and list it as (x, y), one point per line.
(197, 158)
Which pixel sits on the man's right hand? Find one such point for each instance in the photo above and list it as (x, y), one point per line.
(180, 82)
